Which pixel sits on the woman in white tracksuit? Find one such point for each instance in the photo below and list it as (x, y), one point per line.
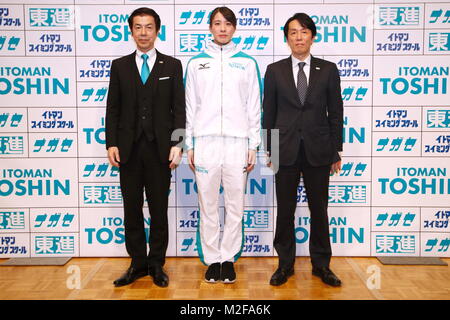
(223, 121)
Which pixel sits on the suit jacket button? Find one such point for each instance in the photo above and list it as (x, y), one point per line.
(143, 117)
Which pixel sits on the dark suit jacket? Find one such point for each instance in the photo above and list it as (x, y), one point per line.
(319, 120)
(168, 104)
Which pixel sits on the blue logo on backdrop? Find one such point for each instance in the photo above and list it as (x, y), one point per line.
(438, 118)
(9, 44)
(100, 94)
(341, 32)
(396, 119)
(398, 41)
(31, 182)
(247, 17)
(256, 219)
(54, 220)
(196, 42)
(426, 80)
(254, 186)
(393, 219)
(52, 120)
(7, 246)
(112, 231)
(432, 245)
(50, 17)
(11, 145)
(442, 145)
(12, 220)
(352, 93)
(31, 80)
(117, 31)
(192, 221)
(353, 169)
(100, 170)
(439, 41)
(12, 120)
(395, 243)
(187, 243)
(99, 69)
(52, 145)
(439, 14)
(351, 68)
(339, 231)
(197, 18)
(417, 181)
(399, 16)
(55, 244)
(5, 21)
(97, 134)
(253, 244)
(50, 43)
(352, 134)
(441, 221)
(102, 194)
(407, 144)
(339, 194)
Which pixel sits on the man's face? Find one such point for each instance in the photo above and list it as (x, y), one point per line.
(144, 32)
(299, 39)
(221, 29)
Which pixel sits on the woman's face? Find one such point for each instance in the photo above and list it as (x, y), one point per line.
(221, 29)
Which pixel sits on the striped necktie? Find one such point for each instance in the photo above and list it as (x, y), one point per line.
(302, 83)
(145, 71)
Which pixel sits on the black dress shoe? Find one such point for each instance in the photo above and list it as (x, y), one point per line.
(281, 276)
(130, 276)
(327, 276)
(160, 278)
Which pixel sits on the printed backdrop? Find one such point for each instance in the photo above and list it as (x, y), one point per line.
(60, 197)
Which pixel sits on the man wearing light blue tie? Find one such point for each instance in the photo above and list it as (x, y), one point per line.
(146, 103)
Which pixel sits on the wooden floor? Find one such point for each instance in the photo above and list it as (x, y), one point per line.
(253, 274)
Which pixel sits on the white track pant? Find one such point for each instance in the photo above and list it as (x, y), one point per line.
(220, 160)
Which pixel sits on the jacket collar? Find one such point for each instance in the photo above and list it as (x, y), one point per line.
(215, 49)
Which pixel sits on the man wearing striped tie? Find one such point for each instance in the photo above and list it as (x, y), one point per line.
(146, 103)
(302, 99)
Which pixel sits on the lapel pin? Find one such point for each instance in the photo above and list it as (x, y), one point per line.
(161, 61)
(317, 68)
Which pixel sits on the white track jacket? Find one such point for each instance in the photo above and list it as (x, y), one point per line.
(223, 95)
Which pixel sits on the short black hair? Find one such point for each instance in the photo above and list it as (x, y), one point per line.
(304, 20)
(144, 11)
(227, 13)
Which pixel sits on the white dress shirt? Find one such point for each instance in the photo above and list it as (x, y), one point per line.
(150, 61)
(306, 68)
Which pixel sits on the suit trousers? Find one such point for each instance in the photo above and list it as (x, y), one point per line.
(144, 171)
(316, 182)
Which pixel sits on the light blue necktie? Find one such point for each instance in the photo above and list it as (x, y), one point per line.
(145, 72)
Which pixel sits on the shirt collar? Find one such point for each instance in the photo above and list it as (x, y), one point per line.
(150, 53)
(296, 61)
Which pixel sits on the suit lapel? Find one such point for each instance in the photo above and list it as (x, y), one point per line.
(156, 71)
(314, 72)
(133, 71)
(289, 77)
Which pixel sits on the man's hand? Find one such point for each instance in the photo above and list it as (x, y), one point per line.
(190, 156)
(251, 160)
(113, 156)
(268, 160)
(335, 167)
(174, 157)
